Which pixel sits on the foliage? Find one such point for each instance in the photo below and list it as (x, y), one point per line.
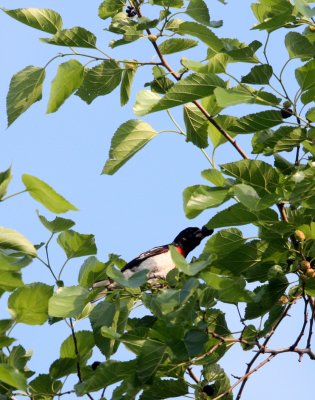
(273, 192)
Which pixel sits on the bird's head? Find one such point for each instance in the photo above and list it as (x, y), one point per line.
(190, 238)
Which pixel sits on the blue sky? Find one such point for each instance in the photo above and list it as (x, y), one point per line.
(137, 208)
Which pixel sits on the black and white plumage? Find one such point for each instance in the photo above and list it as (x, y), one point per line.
(158, 260)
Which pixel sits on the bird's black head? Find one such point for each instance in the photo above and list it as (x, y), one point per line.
(190, 238)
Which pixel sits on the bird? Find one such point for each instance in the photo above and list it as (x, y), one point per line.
(158, 260)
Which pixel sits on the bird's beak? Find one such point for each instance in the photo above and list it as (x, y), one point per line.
(205, 231)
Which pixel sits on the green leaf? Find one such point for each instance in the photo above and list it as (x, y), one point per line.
(84, 344)
(305, 75)
(175, 45)
(62, 367)
(74, 37)
(258, 174)
(46, 195)
(303, 7)
(308, 96)
(223, 242)
(257, 122)
(43, 19)
(198, 10)
(126, 82)
(89, 271)
(201, 32)
(168, 3)
(214, 176)
(248, 196)
(43, 387)
(283, 139)
(99, 80)
(109, 8)
(103, 315)
(298, 45)
(106, 374)
(149, 359)
(195, 341)
(10, 280)
(5, 178)
(223, 121)
(200, 197)
(13, 240)
(181, 263)
(266, 297)
(68, 79)
(241, 52)
(230, 290)
(196, 126)
(29, 304)
(12, 377)
(259, 75)
(135, 281)
(194, 87)
(310, 114)
(68, 302)
(19, 357)
(162, 389)
(129, 138)
(234, 96)
(25, 89)
(77, 244)
(57, 225)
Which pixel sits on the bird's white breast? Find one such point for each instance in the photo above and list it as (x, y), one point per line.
(158, 266)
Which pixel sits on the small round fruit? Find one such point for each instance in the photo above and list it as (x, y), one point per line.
(305, 265)
(152, 38)
(286, 113)
(299, 235)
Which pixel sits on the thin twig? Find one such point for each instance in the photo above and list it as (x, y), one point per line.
(260, 351)
(310, 331)
(192, 375)
(301, 334)
(244, 377)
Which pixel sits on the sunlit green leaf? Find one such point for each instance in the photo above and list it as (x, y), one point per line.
(175, 45)
(84, 346)
(198, 10)
(196, 125)
(126, 82)
(201, 32)
(10, 280)
(259, 75)
(5, 178)
(200, 197)
(223, 242)
(99, 80)
(305, 75)
(188, 269)
(56, 225)
(298, 45)
(77, 244)
(256, 173)
(257, 122)
(135, 281)
(194, 87)
(29, 304)
(68, 301)
(13, 240)
(46, 195)
(25, 89)
(310, 114)
(68, 79)
(43, 386)
(129, 138)
(108, 8)
(12, 377)
(43, 19)
(74, 37)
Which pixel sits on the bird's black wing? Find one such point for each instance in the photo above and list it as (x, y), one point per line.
(143, 256)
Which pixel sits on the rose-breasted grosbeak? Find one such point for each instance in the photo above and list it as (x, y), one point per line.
(158, 260)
